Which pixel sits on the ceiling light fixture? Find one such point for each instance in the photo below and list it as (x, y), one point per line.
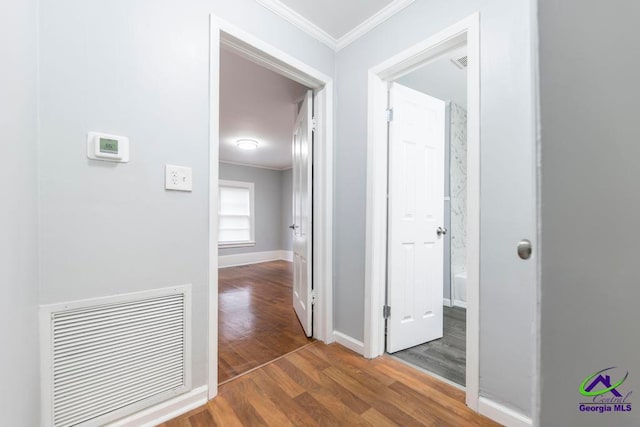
(247, 144)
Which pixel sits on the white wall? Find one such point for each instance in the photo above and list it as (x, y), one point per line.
(507, 292)
(19, 362)
(272, 207)
(138, 68)
(590, 204)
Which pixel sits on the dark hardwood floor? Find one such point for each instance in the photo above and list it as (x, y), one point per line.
(447, 356)
(328, 385)
(257, 322)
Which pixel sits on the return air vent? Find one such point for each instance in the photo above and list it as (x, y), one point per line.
(460, 62)
(110, 357)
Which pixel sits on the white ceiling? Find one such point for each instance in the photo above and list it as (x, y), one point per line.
(337, 17)
(441, 79)
(336, 23)
(259, 104)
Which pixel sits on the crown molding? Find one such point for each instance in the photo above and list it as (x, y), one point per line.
(293, 17)
(251, 165)
(378, 18)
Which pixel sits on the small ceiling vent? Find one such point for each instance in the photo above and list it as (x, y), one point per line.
(460, 62)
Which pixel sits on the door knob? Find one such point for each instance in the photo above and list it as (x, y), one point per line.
(524, 249)
(292, 226)
(441, 231)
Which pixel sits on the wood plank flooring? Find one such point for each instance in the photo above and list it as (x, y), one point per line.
(328, 385)
(447, 356)
(257, 322)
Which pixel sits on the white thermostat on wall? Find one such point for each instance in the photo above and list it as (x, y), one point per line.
(110, 148)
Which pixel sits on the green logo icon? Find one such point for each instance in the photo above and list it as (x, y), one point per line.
(589, 383)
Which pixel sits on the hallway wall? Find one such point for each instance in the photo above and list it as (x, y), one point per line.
(147, 77)
(19, 361)
(589, 205)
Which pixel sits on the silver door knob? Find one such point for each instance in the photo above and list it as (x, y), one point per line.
(441, 231)
(524, 249)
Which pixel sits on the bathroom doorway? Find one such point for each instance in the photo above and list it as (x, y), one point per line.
(435, 96)
(411, 310)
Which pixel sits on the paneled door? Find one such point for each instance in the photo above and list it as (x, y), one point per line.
(302, 214)
(416, 218)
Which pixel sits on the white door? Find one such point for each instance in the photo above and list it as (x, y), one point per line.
(302, 208)
(416, 218)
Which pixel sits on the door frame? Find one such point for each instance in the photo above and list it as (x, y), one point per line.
(466, 31)
(228, 36)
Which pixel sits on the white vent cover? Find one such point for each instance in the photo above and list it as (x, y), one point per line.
(109, 357)
(461, 62)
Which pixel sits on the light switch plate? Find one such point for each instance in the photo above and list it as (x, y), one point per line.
(178, 178)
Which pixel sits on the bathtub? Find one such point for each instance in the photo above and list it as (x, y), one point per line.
(460, 289)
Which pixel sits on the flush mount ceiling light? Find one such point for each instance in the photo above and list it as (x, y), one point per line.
(247, 144)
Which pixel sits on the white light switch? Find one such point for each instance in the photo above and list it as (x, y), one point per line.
(178, 178)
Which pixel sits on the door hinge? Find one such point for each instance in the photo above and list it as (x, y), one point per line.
(386, 311)
(314, 298)
(314, 124)
(389, 114)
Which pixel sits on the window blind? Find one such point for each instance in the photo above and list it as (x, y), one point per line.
(234, 214)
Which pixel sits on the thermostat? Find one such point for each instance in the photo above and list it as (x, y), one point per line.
(110, 148)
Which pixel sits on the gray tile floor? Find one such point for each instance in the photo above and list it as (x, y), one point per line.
(447, 356)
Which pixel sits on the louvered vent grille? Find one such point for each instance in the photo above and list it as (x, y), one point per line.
(461, 62)
(110, 357)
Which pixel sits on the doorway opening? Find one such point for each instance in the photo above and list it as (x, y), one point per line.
(416, 286)
(261, 195)
(440, 85)
(306, 282)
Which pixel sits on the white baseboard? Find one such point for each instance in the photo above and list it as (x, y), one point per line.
(502, 414)
(459, 303)
(350, 343)
(253, 258)
(166, 410)
(287, 255)
(456, 303)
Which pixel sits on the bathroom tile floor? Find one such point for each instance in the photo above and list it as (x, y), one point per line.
(445, 357)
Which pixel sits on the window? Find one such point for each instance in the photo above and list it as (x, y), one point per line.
(235, 214)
